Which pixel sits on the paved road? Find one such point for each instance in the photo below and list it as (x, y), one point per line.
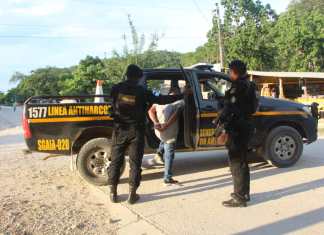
(9, 117)
(284, 201)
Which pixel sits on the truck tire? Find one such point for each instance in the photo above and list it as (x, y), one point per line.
(283, 147)
(93, 161)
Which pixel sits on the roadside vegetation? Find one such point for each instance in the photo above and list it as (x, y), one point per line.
(291, 41)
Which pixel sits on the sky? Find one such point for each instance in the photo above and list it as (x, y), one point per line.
(39, 33)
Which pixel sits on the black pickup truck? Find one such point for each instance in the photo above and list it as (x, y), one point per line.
(68, 125)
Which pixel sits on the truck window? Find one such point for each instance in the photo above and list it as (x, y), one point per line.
(211, 88)
(162, 87)
(155, 85)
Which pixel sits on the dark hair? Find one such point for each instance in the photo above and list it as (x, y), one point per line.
(238, 66)
(175, 90)
(134, 72)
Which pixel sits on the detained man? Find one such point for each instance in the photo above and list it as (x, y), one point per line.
(165, 120)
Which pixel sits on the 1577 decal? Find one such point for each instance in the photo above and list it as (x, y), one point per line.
(37, 112)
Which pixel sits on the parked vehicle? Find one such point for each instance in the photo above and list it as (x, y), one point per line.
(84, 128)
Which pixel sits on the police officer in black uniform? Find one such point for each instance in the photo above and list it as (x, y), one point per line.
(129, 103)
(239, 105)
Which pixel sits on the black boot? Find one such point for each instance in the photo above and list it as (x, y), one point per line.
(113, 193)
(246, 196)
(235, 202)
(133, 196)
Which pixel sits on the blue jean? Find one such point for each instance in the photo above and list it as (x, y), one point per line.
(160, 150)
(168, 149)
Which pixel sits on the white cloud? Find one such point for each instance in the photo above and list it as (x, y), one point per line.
(17, 1)
(37, 7)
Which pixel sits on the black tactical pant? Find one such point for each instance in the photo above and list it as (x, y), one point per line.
(237, 151)
(131, 138)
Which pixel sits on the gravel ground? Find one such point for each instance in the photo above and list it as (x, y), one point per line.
(43, 196)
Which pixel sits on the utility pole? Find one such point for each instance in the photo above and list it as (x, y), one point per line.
(220, 41)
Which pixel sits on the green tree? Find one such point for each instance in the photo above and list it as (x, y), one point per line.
(2, 97)
(84, 77)
(17, 77)
(246, 29)
(114, 70)
(40, 82)
(299, 39)
(208, 53)
(160, 59)
(304, 6)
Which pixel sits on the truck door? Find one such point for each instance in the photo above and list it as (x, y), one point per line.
(191, 119)
(210, 97)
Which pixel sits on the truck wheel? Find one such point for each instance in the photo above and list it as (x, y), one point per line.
(283, 147)
(93, 161)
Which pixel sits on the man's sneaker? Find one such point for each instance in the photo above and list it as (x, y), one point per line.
(158, 158)
(247, 197)
(170, 181)
(234, 202)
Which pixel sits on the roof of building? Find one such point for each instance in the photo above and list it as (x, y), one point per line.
(287, 74)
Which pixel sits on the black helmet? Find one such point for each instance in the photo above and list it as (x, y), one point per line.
(134, 72)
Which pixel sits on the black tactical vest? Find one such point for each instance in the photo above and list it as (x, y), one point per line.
(129, 103)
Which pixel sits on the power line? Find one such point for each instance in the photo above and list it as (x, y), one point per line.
(25, 25)
(84, 37)
(200, 11)
(103, 2)
(76, 26)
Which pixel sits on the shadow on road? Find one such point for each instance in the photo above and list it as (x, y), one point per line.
(276, 194)
(288, 225)
(260, 170)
